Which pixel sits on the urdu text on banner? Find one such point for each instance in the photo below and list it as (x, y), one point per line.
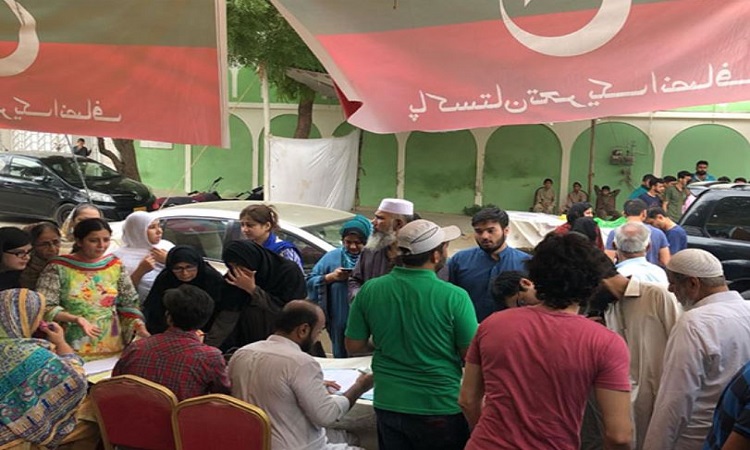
(435, 65)
(139, 69)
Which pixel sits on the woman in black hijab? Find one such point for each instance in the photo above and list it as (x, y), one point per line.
(184, 265)
(258, 285)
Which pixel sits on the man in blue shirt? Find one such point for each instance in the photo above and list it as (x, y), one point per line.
(701, 172)
(653, 197)
(676, 235)
(658, 251)
(474, 269)
(731, 424)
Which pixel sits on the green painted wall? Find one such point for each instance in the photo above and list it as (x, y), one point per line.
(234, 164)
(378, 165)
(281, 126)
(162, 169)
(441, 170)
(726, 150)
(610, 135)
(517, 160)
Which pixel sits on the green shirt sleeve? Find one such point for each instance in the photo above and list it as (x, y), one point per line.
(356, 325)
(466, 321)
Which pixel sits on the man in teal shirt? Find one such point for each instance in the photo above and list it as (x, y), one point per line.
(421, 328)
(643, 188)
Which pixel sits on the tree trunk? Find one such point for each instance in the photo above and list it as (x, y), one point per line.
(125, 163)
(304, 118)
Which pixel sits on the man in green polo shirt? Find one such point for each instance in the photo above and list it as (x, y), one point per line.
(421, 328)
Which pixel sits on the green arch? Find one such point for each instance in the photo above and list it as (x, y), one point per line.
(440, 170)
(281, 126)
(378, 165)
(726, 150)
(609, 136)
(234, 164)
(517, 159)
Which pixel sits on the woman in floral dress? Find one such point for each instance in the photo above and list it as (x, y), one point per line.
(91, 294)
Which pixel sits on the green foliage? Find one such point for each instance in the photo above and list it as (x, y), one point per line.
(473, 209)
(258, 35)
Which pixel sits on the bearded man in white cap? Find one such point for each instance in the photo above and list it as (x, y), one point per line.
(421, 328)
(379, 254)
(709, 344)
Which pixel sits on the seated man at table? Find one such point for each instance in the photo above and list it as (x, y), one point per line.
(177, 358)
(279, 376)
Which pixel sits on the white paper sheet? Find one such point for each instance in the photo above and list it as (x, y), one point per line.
(100, 365)
(345, 378)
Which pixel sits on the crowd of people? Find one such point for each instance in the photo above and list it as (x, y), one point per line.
(669, 193)
(632, 342)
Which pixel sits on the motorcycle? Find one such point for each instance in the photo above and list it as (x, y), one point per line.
(209, 195)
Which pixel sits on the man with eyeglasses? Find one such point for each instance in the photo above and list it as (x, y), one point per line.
(16, 246)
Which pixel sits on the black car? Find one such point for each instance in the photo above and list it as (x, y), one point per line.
(49, 185)
(718, 221)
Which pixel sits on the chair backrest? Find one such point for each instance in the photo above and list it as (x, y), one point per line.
(220, 421)
(133, 412)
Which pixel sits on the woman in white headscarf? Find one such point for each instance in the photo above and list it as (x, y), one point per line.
(144, 252)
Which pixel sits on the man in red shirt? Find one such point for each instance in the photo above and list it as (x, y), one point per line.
(178, 358)
(535, 366)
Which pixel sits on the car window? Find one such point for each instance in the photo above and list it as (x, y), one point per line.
(26, 169)
(730, 219)
(310, 253)
(92, 170)
(329, 232)
(206, 235)
(4, 163)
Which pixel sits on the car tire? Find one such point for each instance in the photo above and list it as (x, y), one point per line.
(62, 212)
(746, 295)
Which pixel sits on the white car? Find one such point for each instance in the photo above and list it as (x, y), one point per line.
(209, 226)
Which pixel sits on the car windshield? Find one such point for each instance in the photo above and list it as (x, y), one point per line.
(92, 170)
(329, 232)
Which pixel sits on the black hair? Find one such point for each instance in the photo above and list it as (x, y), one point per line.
(654, 181)
(85, 227)
(647, 177)
(702, 161)
(577, 183)
(418, 259)
(655, 211)
(606, 187)
(566, 269)
(740, 180)
(491, 215)
(507, 284)
(296, 314)
(548, 179)
(683, 174)
(724, 179)
(634, 207)
(669, 179)
(189, 306)
(36, 230)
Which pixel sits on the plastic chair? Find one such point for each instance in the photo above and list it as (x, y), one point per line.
(134, 413)
(220, 421)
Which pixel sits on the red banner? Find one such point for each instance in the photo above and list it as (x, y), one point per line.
(439, 65)
(139, 69)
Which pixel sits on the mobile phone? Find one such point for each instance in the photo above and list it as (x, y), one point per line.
(346, 270)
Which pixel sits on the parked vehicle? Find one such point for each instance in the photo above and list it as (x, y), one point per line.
(209, 226)
(719, 221)
(48, 185)
(209, 195)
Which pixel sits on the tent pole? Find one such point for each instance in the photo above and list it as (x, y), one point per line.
(591, 157)
(266, 133)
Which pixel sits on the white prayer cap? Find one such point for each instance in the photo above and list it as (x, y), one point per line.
(695, 262)
(420, 236)
(396, 206)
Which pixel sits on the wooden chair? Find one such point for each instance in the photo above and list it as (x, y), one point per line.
(222, 422)
(134, 413)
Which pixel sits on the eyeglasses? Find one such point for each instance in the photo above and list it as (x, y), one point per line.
(50, 244)
(20, 253)
(184, 269)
